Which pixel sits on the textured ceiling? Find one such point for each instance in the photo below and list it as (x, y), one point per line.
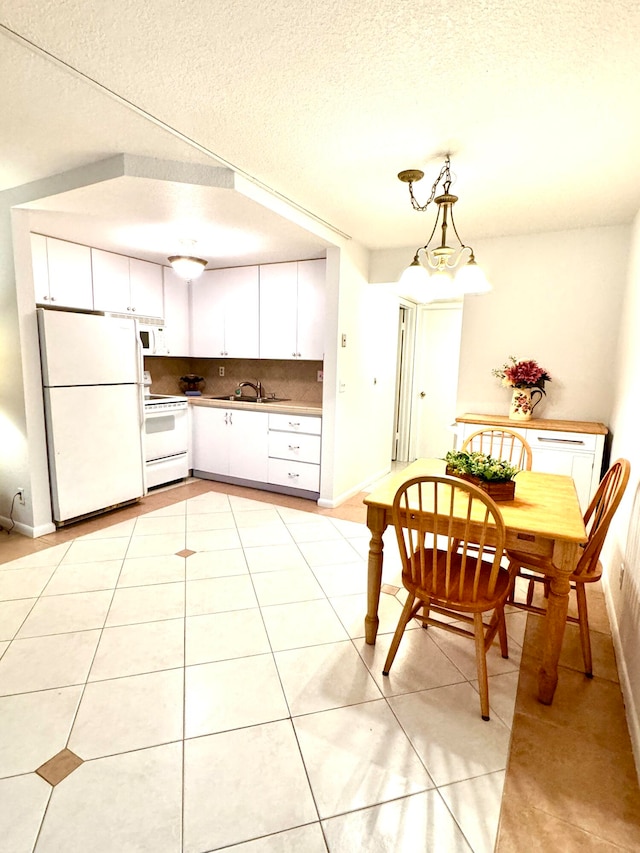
(326, 102)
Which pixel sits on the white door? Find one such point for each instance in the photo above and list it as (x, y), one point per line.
(248, 445)
(146, 288)
(278, 310)
(210, 440)
(207, 314)
(111, 290)
(311, 309)
(435, 384)
(241, 313)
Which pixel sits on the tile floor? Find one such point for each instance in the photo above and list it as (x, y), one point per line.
(195, 678)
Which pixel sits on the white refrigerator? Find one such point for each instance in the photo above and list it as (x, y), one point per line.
(92, 380)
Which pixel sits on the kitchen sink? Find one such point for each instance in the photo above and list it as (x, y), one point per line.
(234, 399)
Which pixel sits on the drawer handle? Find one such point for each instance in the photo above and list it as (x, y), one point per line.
(294, 447)
(291, 474)
(561, 440)
(294, 423)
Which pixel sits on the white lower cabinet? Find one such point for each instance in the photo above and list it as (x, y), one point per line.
(294, 451)
(577, 452)
(230, 442)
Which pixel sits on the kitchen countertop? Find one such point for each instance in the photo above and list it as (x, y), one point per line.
(285, 407)
(589, 427)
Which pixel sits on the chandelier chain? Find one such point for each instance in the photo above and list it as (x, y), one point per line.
(445, 173)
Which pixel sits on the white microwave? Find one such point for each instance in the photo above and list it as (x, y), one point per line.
(153, 339)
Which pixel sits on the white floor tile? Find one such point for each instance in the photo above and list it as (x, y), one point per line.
(146, 603)
(328, 552)
(449, 734)
(351, 529)
(179, 508)
(215, 595)
(216, 564)
(12, 615)
(156, 545)
(304, 839)
(128, 713)
(139, 648)
(84, 577)
(314, 531)
(45, 662)
(35, 727)
(342, 578)
(269, 558)
(417, 823)
(92, 550)
(475, 804)
(123, 802)
(146, 526)
(44, 557)
(231, 694)
(290, 515)
(342, 751)
(58, 614)
(353, 608)
(222, 636)
(263, 517)
(114, 531)
(286, 587)
(462, 651)
(213, 540)
(24, 583)
(502, 695)
(307, 623)
(259, 786)
(208, 502)
(419, 663)
(139, 571)
(239, 504)
(19, 824)
(210, 521)
(275, 533)
(318, 678)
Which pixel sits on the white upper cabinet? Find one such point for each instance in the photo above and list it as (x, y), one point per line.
(224, 314)
(126, 285)
(176, 304)
(292, 300)
(61, 273)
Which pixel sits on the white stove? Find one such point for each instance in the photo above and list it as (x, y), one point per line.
(166, 439)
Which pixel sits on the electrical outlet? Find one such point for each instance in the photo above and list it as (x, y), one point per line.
(20, 495)
(621, 574)
(320, 376)
(221, 371)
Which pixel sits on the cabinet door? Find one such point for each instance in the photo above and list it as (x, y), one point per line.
(278, 310)
(210, 440)
(241, 312)
(576, 465)
(207, 315)
(110, 281)
(311, 309)
(146, 288)
(249, 445)
(176, 303)
(40, 268)
(69, 274)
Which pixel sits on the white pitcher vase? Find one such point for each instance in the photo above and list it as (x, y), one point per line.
(523, 403)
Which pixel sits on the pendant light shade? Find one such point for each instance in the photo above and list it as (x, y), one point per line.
(187, 267)
(452, 271)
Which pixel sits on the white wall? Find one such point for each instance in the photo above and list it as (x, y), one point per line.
(623, 541)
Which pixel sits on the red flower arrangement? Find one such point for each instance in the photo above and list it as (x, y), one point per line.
(522, 374)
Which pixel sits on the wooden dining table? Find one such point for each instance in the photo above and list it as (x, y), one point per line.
(544, 518)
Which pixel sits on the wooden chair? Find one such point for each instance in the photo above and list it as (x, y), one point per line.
(588, 567)
(450, 579)
(501, 443)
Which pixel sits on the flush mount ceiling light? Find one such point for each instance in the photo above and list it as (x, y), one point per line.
(445, 272)
(187, 267)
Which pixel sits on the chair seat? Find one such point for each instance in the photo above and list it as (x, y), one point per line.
(457, 599)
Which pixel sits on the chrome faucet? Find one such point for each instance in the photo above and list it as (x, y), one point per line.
(257, 388)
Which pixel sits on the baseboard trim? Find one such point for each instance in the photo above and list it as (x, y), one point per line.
(631, 710)
(332, 503)
(26, 529)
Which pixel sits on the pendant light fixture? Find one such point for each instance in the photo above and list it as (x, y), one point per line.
(187, 266)
(443, 272)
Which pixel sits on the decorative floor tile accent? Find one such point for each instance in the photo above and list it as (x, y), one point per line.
(59, 767)
(389, 589)
(185, 553)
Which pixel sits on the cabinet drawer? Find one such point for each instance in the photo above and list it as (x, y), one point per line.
(296, 423)
(303, 447)
(552, 440)
(297, 475)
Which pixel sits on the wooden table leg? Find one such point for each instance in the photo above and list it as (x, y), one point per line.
(564, 559)
(376, 522)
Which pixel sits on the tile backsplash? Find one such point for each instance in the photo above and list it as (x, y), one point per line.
(294, 380)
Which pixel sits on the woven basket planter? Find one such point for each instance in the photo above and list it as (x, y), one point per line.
(504, 491)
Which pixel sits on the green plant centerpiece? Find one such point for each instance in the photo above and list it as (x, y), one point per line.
(494, 476)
